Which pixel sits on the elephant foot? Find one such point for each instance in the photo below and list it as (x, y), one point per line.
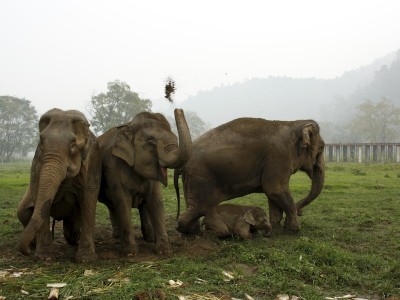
(148, 234)
(44, 256)
(292, 227)
(85, 257)
(191, 228)
(163, 249)
(129, 250)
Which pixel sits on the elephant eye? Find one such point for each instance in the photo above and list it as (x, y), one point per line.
(73, 148)
(152, 141)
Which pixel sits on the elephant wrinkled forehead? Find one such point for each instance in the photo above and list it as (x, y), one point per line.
(152, 119)
(58, 114)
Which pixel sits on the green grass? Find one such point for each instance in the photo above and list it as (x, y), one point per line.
(349, 243)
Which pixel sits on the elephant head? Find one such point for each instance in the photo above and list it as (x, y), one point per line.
(257, 218)
(149, 146)
(312, 159)
(61, 152)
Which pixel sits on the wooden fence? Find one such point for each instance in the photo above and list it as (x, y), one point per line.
(363, 152)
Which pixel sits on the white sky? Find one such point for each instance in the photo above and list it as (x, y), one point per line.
(59, 53)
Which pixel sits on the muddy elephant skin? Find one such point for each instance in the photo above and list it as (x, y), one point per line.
(135, 158)
(64, 184)
(227, 220)
(250, 155)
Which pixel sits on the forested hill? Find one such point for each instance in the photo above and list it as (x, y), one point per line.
(285, 98)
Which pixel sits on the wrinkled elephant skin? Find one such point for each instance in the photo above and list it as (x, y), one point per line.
(134, 161)
(249, 155)
(236, 220)
(64, 184)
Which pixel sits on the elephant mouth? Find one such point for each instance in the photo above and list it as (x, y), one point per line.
(163, 175)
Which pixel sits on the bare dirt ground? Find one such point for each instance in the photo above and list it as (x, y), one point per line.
(107, 247)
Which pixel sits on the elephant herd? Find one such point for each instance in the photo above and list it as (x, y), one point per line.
(125, 167)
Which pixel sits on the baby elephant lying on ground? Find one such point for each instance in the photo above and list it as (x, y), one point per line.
(229, 219)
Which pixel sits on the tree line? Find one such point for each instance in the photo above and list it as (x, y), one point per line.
(118, 105)
(372, 122)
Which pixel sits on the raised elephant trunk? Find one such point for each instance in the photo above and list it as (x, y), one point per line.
(51, 176)
(318, 178)
(172, 155)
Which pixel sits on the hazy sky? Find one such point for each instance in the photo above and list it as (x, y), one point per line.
(59, 53)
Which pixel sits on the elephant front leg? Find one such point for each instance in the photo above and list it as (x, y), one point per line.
(44, 242)
(145, 223)
(122, 202)
(155, 207)
(86, 248)
(275, 214)
(242, 229)
(279, 202)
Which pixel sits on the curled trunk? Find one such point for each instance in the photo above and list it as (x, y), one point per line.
(49, 181)
(318, 179)
(174, 156)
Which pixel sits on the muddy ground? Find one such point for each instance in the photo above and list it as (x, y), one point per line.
(107, 247)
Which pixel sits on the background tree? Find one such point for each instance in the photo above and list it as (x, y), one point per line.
(115, 107)
(377, 122)
(18, 127)
(196, 125)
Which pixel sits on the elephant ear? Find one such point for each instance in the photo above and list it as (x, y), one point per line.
(83, 137)
(307, 135)
(123, 144)
(249, 217)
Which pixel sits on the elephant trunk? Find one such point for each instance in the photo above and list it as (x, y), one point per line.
(318, 178)
(172, 155)
(50, 178)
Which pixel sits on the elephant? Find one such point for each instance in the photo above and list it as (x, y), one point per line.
(241, 220)
(251, 155)
(135, 158)
(64, 184)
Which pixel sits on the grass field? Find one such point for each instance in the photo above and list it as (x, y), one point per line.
(349, 244)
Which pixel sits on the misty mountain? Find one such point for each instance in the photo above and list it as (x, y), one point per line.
(286, 98)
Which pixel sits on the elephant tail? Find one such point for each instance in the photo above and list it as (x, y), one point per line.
(177, 172)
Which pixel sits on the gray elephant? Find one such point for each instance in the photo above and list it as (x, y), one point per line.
(64, 184)
(135, 158)
(239, 220)
(250, 155)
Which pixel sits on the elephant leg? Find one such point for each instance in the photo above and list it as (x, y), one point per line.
(86, 219)
(44, 242)
(114, 222)
(71, 228)
(280, 195)
(286, 202)
(145, 223)
(242, 229)
(275, 213)
(155, 208)
(189, 221)
(216, 226)
(122, 201)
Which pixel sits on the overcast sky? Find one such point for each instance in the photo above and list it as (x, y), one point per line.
(59, 53)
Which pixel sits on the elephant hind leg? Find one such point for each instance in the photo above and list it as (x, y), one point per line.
(217, 226)
(71, 229)
(189, 222)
